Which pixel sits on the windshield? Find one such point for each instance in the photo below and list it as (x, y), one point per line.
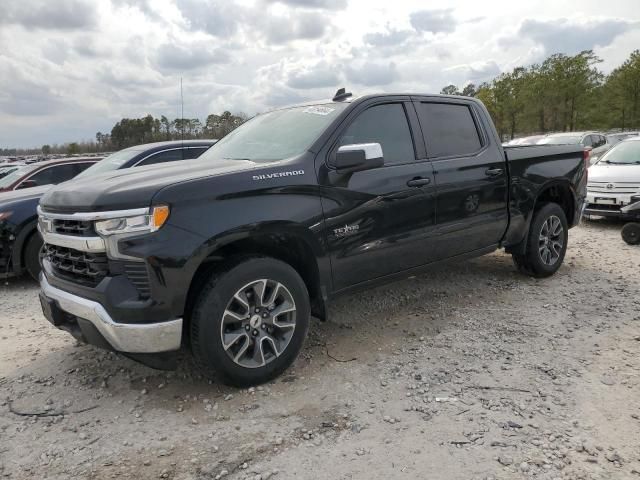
(112, 162)
(560, 140)
(624, 153)
(275, 135)
(15, 175)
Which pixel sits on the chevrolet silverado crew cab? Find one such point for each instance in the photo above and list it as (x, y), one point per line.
(232, 255)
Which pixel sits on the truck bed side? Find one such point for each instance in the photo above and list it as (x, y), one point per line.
(540, 171)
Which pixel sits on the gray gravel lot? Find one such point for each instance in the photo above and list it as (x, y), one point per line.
(470, 372)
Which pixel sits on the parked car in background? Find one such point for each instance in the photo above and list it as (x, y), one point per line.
(615, 180)
(531, 140)
(150, 154)
(7, 168)
(20, 241)
(50, 172)
(595, 142)
(614, 138)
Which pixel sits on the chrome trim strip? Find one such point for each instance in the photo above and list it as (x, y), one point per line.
(123, 337)
(84, 244)
(88, 216)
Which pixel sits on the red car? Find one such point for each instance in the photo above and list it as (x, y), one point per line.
(49, 172)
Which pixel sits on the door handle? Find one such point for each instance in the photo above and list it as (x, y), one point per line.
(493, 172)
(418, 182)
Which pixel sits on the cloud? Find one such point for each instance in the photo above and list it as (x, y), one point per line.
(570, 37)
(476, 71)
(145, 6)
(51, 15)
(372, 74)
(387, 38)
(90, 47)
(433, 21)
(322, 4)
(280, 29)
(318, 76)
(217, 18)
(24, 96)
(175, 57)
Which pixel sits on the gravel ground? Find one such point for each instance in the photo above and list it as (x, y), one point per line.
(470, 372)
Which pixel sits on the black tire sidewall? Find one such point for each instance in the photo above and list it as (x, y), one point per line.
(534, 261)
(210, 305)
(32, 255)
(630, 229)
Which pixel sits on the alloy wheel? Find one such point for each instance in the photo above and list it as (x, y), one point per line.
(258, 323)
(551, 240)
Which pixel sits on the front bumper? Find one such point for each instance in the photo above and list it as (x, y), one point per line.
(91, 317)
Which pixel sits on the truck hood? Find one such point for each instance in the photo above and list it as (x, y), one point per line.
(602, 172)
(133, 187)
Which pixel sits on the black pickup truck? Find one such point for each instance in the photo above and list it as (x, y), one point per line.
(233, 255)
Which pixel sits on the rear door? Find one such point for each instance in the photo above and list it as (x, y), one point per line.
(379, 221)
(470, 175)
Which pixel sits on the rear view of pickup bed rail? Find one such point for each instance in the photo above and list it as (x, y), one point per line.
(232, 256)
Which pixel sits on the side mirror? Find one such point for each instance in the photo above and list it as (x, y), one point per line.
(27, 184)
(358, 157)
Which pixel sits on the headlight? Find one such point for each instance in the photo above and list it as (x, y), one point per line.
(148, 223)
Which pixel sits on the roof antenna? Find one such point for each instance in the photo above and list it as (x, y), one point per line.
(181, 112)
(341, 94)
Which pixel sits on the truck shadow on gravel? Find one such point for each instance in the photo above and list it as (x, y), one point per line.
(361, 327)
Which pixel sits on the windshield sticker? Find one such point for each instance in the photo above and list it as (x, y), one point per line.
(319, 110)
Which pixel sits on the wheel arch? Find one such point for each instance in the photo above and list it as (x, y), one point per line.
(557, 191)
(29, 229)
(292, 244)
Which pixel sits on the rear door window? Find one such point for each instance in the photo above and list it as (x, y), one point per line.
(449, 129)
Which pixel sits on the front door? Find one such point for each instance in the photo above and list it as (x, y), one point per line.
(379, 221)
(470, 173)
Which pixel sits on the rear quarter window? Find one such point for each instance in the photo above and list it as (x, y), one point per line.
(449, 129)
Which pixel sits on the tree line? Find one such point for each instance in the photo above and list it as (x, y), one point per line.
(135, 131)
(563, 93)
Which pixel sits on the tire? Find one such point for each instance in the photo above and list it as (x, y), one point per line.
(631, 233)
(544, 257)
(32, 255)
(226, 307)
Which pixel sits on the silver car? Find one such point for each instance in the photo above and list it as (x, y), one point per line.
(595, 142)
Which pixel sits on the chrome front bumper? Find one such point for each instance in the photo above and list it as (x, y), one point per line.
(123, 337)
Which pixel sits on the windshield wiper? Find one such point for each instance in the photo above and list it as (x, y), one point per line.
(230, 158)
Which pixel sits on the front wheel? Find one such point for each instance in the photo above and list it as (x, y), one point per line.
(631, 233)
(546, 242)
(250, 321)
(32, 255)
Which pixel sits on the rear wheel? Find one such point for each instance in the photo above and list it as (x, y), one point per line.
(32, 255)
(631, 233)
(250, 321)
(546, 242)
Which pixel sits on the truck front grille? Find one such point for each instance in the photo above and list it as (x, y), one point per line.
(78, 228)
(76, 266)
(613, 187)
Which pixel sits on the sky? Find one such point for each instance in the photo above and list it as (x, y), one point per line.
(71, 68)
